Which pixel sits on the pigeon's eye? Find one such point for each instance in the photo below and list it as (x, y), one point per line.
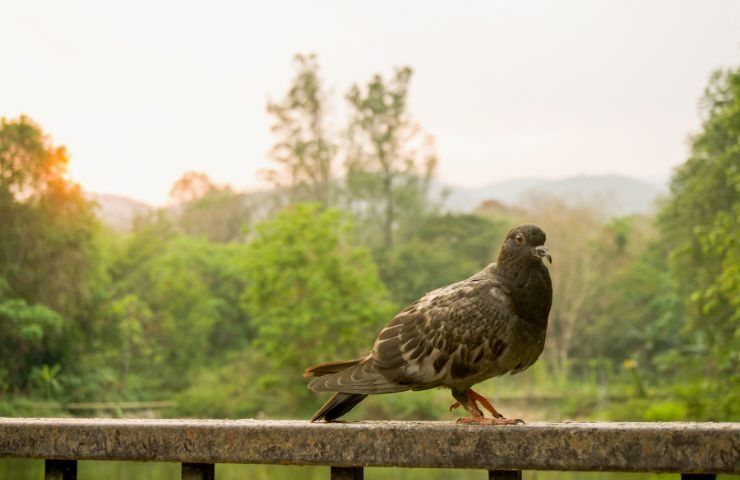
(520, 239)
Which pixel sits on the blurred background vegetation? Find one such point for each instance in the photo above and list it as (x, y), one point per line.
(216, 304)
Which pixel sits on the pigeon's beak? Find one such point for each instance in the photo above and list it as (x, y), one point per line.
(542, 251)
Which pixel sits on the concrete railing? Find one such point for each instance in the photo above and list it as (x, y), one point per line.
(696, 450)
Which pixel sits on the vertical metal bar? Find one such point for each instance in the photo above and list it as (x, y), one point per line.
(60, 469)
(698, 476)
(504, 475)
(198, 471)
(347, 473)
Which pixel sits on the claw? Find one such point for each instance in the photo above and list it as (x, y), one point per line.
(454, 405)
(484, 401)
(490, 421)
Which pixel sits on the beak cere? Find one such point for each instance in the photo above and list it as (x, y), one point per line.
(542, 251)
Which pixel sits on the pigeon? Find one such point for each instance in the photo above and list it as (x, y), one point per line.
(488, 325)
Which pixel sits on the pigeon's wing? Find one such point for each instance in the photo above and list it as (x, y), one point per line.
(453, 332)
(449, 335)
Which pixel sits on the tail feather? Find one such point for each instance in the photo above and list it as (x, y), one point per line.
(362, 378)
(351, 381)
(338, 405)
(331, 367)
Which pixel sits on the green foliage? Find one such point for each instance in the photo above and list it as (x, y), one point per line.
(50, 263)
(240, 387)
(219, 216)
(690, 399)
(48, 250)
(699, 225)
(46, 380)
(313, 295)
(248, 384)
(208, 210)
(31, 336)
(27, 159)
(443, 250)
(178, 303)
(638, 312)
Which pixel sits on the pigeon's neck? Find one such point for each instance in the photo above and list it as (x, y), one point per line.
(530, 288)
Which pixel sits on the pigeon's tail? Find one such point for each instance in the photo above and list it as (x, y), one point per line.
(339, 404)
(361, 378)
(331, 367)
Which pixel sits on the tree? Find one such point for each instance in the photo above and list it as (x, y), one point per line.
(31, 336)
(389, 162)
(50, 265)
(28, 161)
(303, 150)
(48, 241)
(443, 249)
(192, 186)
(636, 312)
(206, 209)
(313, 296)
(699, 225)
(174, 306)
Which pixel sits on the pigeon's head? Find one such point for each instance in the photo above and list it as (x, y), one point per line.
(525, 243)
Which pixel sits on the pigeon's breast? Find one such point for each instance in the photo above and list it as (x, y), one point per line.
(509, 346)
(527, 346)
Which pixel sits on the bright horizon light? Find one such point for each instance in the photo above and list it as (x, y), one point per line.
(141, 92)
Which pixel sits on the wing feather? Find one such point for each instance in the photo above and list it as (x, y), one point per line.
(451, 333)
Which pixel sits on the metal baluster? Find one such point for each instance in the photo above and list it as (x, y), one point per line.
(347, 473)
(198, 471)
(504, 475)
(60, 469)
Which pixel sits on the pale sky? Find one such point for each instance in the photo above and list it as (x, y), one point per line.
(142, 91)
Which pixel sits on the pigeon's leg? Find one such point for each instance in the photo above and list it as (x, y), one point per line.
(466, 401)
(484, 401)
(463, 399)
(499, 419)
(473, 409)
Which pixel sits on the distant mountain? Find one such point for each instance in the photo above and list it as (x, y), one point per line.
(462, 199)
(662, 182)
(614, 194)
(116, 211)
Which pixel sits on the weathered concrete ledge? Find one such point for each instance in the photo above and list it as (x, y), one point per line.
(637, 447)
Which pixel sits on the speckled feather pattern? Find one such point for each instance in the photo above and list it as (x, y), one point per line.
(488, 325)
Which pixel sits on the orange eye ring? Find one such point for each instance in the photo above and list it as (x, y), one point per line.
(520, 240)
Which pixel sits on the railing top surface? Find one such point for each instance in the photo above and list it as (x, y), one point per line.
(658, 447)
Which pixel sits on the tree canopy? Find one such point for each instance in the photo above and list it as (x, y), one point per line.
(701, 220)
